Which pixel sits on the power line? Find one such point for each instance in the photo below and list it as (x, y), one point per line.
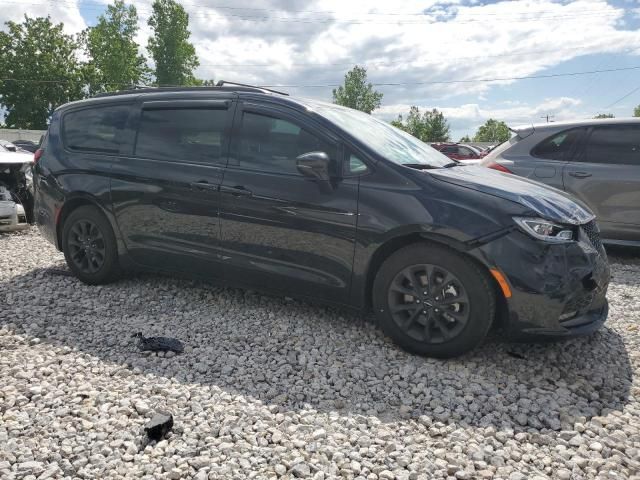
(395, 62)
(622, 98)
(381, 84)
(477, 80)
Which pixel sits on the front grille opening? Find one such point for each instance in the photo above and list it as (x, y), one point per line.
(593, 234)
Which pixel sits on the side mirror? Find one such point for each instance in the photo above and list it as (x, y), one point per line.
(314, 165)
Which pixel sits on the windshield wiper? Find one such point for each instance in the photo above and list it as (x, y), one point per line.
(452, 164)
(419, 166)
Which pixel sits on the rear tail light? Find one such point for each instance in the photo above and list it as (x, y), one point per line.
(37, 155)
(497, 166)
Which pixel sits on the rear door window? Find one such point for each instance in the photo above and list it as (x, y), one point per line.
(619, 144)
(183, 134)
(559, 146)
(95, 129)
(270, 144)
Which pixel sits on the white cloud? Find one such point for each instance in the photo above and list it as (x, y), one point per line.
(469, 117)
(315, 42)
(67, 13)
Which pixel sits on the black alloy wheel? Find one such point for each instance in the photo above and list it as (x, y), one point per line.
(90, 246)
(433, 300)
(428, 303)
(86, 246)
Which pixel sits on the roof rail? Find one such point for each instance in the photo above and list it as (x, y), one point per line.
(222, 83)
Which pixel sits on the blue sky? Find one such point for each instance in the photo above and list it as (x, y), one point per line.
(313, 42)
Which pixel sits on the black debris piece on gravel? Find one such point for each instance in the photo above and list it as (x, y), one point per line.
(159, 344)
(159, 426)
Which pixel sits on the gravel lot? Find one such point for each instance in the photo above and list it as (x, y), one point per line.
(273, 388)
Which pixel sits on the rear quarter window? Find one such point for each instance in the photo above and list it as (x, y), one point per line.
(95, 129)
(558, 146)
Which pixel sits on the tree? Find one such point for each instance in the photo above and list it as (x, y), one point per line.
(605, 115)
(431, 126)
(636, 111)
(115, 63)
(198, 82)
(493, 131)
(174, 56)
(356, 92)
(465, 139)
(41, 70)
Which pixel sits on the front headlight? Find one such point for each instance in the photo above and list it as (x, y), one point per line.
(546, 230)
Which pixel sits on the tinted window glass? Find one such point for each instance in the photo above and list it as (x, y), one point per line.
(355, 166)
(465, 151)
(97, 129)
(620, 144)
(559, 146)
(272, 144)
(188, 134)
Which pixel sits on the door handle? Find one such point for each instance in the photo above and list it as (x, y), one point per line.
(238, 190)
(203, 185)
(580, 174)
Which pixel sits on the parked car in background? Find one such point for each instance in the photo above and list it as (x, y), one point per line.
(296, 197)
(597, 161)
(27, 145)
(8, 146)
(458, 151)
(16, 189)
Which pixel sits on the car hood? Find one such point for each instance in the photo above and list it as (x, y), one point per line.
(550, 203)
(15, 157)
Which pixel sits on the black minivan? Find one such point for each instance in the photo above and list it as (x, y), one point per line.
(307, 199)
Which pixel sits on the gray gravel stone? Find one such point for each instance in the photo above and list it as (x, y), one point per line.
(270, 387)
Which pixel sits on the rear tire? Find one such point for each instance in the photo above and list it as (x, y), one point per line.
(90, 247)
(433, 301)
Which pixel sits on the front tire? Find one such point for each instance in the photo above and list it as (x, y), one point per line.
(89, 246)
(433, 301)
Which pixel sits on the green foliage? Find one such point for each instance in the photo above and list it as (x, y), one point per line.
(430, 126)
(174, 56)
(493, 131)
(636, 111)
(465, 139)
(198, 82)
(356, 92)
(45, 70)
(114, 63)
(605, 115)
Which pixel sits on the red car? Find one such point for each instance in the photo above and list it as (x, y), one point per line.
(457, 151)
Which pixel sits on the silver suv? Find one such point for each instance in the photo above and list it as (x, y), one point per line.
(598, 161)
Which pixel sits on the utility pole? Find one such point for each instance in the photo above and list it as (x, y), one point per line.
(548, 117)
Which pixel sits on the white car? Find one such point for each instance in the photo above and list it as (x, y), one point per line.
(16, 190)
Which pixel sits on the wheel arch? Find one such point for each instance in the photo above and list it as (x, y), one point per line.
(385, 250)
(74, 203)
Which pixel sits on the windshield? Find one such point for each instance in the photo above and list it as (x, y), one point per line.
(388, 141)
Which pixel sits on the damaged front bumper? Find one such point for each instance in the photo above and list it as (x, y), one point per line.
(12, 217)
(557, 289)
